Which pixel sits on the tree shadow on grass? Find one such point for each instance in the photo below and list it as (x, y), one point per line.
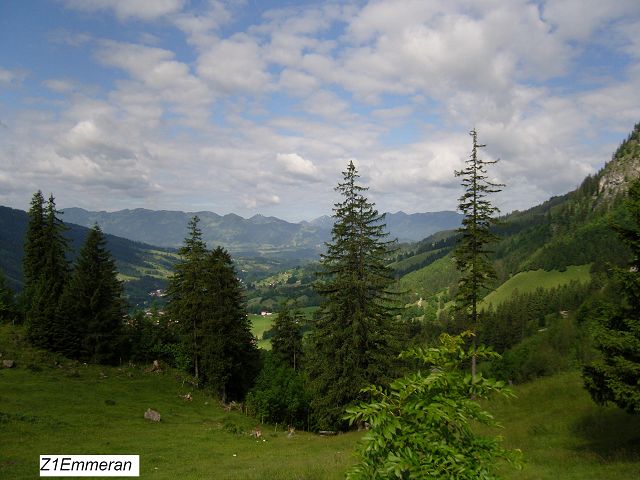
(609, 433)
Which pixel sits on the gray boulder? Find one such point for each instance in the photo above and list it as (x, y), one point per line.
(152, 415)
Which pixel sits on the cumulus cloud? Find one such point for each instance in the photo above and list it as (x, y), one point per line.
(156, 70)
(260, 111)
(297, 166)
(234, 65)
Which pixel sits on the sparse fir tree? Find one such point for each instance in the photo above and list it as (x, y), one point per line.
(91, 313)
(286, 340)
(354, 337)
(615, 377)
(472, 252)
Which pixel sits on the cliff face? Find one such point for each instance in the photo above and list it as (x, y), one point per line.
(624, 168)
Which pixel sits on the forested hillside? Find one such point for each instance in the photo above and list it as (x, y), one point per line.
(554, 265)
(572, 229)
(143, 267)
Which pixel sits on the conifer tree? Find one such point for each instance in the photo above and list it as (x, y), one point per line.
(286, 341)
(353, 341)
(49, 275)
(206, 299)
(615, 377)
(8, 310)
(186, 293)
(92, 307)
(230, 357)
(34, 250)
(471, 252)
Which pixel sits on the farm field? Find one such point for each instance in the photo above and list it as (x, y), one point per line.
(259, 325)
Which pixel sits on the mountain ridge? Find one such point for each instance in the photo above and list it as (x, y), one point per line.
(258, 234)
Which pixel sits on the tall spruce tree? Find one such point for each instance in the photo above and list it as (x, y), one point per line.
(92, 307)
(49, 275)
(34, 250)
(472, 252)
(615, 377)
(186, 293)
(354, 340)
(206, 299)
(230, 357)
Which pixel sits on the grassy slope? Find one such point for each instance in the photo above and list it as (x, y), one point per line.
(431, 279)
(564, 435)
(529, 281)
(70, 410)
(259, 325)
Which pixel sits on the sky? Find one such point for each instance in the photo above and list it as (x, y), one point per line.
(257, 106)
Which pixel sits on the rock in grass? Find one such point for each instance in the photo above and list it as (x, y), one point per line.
(152, 415)
(8, 363)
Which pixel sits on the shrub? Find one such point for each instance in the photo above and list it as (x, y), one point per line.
(422, 426)
(279, 394)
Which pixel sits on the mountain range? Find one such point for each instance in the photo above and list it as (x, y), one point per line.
(143, 242)
(258, 235)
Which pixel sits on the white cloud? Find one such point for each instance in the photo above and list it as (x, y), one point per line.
(297, 166)
(60, 85)
(241, 117)
(128, 9)
(579, 19)
(65, 37)
(157, 71)
(9, 78)
(234, 65)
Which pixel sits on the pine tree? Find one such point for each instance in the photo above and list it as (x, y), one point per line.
(286, 341)
(92, 307)
(471, 252)
(47, 276)
(353, 341)
(615, 377)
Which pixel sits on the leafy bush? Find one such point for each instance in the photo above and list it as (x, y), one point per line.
(279, 394)
(422, 426)
(560, 347)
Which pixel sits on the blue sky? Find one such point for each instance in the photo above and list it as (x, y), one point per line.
(257, 106)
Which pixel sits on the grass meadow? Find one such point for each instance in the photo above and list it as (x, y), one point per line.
(72, 408)
(529, 281)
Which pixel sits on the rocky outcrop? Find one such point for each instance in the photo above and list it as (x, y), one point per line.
(616, 177)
